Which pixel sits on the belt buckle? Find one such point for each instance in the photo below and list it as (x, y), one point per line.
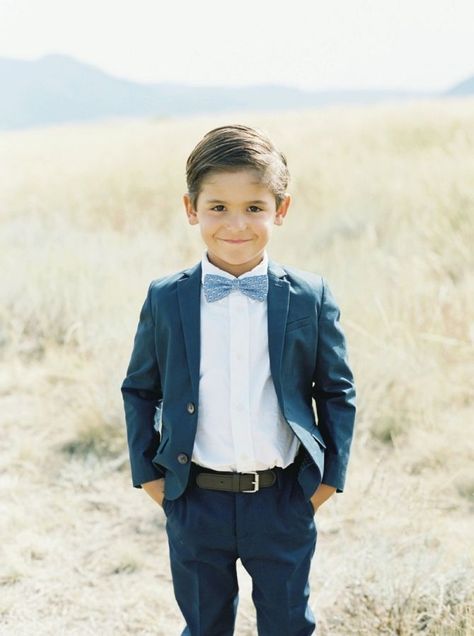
(255, 482)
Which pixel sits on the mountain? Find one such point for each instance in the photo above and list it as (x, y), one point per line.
(56, 89)
(59, 89)
(462, 89)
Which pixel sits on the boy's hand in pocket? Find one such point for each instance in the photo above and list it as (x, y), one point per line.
(156, 489)
(321, 494)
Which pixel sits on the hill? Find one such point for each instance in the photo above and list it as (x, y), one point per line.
(465, 88)
(56, 89)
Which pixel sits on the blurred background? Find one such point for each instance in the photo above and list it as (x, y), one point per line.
(101, 103)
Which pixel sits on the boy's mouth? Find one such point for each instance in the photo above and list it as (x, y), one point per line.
(236, 240)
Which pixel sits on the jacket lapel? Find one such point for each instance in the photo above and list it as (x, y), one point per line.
(189, 300)
(277, 304)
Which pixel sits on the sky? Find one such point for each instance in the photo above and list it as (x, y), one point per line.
(422, 45)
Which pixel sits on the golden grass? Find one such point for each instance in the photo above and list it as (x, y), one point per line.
(383, 207)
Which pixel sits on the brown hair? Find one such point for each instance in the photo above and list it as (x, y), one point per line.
(237, 147)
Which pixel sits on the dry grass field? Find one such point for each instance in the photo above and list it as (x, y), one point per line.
(383, 207)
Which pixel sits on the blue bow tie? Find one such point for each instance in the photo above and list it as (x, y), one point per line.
(217, 287)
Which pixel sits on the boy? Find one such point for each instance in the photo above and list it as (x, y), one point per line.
(231, 353)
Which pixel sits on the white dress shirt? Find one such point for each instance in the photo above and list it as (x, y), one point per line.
(240, 426)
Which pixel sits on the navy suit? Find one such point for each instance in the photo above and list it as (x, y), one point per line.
(308, 360)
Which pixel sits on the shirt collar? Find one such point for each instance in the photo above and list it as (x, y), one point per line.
(209, 268)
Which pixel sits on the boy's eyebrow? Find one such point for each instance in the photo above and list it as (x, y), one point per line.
(248, 202)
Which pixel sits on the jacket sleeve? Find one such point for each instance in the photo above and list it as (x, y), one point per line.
(141, 392)
(334, 392)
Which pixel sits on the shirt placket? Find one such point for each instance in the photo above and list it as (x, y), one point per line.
(239, 322)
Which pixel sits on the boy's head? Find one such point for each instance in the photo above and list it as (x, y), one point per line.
(237, 183)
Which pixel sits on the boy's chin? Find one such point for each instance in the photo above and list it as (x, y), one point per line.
(235, 259)
(244, 260)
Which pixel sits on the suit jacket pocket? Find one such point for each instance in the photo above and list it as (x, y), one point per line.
(299, 323)
(319, 439)
(159, 453)
(161, 447)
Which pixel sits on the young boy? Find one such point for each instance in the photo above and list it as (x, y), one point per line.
(231, 352)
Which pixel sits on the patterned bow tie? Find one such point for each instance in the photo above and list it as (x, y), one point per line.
(217, 287)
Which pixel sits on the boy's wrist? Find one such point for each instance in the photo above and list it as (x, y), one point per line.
(155, 489)
(323, 492)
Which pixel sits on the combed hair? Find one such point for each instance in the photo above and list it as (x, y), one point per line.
(236, 147)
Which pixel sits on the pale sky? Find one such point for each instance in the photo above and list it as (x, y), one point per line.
(313, 44)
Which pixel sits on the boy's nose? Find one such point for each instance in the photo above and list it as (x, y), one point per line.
(237, 222)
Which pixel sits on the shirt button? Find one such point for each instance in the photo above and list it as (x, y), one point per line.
(182, 458)
(190, 407)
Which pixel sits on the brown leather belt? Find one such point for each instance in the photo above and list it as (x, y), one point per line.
(236, 482)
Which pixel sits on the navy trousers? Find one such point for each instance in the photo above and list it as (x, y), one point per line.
(272, 531)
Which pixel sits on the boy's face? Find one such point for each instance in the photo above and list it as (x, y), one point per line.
(236, 214)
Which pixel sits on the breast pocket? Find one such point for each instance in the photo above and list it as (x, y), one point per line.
(299, 323)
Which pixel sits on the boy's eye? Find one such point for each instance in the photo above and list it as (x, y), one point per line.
(252, 208)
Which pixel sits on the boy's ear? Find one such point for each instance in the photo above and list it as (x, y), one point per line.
(190, 211)
(282, 209)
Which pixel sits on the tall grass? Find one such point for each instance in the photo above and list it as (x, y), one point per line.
(383, 207)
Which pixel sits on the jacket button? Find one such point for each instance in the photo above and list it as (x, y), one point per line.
(183, 458)
(190, 407)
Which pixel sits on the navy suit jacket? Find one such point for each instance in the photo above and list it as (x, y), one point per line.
(308, 361)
